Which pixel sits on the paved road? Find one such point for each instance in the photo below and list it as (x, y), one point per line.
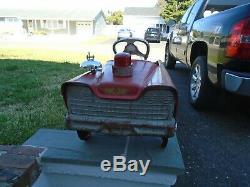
(215, 144)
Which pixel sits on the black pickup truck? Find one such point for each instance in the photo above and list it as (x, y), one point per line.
(213, 39)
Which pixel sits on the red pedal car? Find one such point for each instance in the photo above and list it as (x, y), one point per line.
(125, 97)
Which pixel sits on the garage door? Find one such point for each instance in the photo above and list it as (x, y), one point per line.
(84, 28)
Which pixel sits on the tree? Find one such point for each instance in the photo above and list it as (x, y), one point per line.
(115, 18)
(174, 9)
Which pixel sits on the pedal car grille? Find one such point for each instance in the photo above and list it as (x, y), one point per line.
(152, 105)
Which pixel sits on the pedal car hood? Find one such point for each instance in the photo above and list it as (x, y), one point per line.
(145, 75)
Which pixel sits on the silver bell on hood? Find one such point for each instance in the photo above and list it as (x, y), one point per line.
(90, 64)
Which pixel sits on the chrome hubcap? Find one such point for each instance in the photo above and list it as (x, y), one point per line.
(195, 84)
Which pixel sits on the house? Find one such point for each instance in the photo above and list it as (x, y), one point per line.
(81, 22)
(140, 18)
(10, 25)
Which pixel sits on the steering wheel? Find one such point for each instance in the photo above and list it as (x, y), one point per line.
(132, 48)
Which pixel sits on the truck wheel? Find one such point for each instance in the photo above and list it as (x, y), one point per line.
(83, 135)
(164, 142)
(199, 85)
(169, 60)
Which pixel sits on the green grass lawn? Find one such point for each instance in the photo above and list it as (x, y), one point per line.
(30, 97)
(30, 81)
(45, 55)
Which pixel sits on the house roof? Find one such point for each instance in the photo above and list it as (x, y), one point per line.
(52, 14)
(142, 11)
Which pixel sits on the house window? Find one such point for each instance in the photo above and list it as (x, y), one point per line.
(11, 19)
(162, 27)
(44, 24)
(30, 24)
(61, 24)
(2, 19)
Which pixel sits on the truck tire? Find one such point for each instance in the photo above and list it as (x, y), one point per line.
(169, 60)
(83, 135)
(199, 86)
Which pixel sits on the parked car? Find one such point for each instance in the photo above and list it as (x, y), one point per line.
(153, 35)
(125, 97)
(213, 39)
(124, 33)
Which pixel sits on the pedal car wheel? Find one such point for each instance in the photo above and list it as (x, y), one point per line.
(164, 142)
(84, 135)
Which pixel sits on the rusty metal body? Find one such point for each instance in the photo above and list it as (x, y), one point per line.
(125, 97)
(143, 104)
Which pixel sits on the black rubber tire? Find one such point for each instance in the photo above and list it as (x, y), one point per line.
(83, 135)
(203, 98)
(169, 60)
(164, 142)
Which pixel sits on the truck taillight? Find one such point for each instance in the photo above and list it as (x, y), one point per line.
(238, 45)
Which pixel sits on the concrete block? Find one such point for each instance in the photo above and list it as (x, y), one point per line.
(71, 160)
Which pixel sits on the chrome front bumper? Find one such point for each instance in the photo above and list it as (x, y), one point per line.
(236, 82)
(115, 126)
